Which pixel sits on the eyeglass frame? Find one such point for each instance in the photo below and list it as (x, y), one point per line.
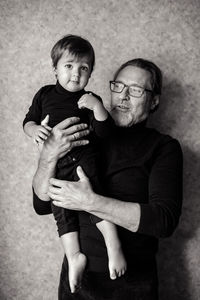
(125, 85)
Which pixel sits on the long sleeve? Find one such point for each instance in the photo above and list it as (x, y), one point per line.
(35, 110)
(41, 207)
(103, 129)
(160, 216)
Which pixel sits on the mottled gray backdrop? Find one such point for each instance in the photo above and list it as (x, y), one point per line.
(166, 32)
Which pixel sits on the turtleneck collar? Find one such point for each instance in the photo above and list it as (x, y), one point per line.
(65, 92)
(134, 128)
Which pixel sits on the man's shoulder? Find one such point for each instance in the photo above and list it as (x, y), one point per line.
(163, 140)
(159, 135)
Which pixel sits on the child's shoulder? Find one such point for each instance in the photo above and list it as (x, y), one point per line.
(47, 88)
(44, 91)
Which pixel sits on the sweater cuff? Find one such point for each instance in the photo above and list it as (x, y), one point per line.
(147, 220)
(41, 207)
(104, 129)
(66, 228)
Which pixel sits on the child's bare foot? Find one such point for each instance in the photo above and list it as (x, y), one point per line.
(116, 262)
(77, 264)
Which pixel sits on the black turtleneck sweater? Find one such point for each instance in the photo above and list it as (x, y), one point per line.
(60, 104)
(139, 165)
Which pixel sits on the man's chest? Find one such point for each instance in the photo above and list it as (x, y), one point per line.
(127, 168)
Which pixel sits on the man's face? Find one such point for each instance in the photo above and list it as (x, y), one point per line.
(73, 72)
(127, 110)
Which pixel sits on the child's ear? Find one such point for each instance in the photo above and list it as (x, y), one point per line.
(54, 70)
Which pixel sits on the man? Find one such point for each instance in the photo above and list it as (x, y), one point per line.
(142, 172)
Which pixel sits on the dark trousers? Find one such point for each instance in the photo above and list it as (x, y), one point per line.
(67, 220)
(98, 286)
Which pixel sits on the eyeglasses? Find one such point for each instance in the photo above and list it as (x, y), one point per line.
(133, 90)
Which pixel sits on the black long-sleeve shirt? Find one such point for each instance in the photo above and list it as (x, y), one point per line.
(143, 166)
(59, 104)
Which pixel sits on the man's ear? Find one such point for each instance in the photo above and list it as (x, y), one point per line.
(155, 102)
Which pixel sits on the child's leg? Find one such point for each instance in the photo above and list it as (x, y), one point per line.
(116, 260)
(68, 226)
(76, 260)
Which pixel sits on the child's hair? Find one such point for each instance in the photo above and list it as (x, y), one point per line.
(76, 45)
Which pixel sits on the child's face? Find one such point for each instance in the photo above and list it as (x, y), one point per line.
(73, 72)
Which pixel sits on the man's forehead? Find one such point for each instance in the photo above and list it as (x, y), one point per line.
(134, 75)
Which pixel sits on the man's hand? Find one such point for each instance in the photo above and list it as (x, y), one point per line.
(72, 195)
(80, 196)
(63, 138)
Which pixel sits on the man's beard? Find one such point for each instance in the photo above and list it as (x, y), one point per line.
(122, 119)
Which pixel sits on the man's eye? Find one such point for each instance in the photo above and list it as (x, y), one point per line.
(136, 89)
(68, 66)
(117, 85)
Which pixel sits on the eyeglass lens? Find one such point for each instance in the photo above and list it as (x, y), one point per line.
(132, 90)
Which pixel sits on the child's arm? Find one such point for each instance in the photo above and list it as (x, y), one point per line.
(91, 102)
(38, 133)
(102, 123)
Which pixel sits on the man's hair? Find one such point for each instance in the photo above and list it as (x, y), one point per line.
(76, 46)
(156, 74)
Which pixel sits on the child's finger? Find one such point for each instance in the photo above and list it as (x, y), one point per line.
(81, 101)
(45, 131)
(45, 121)
(47, 127)
(38, 140)
(42, 135)
(81, 105)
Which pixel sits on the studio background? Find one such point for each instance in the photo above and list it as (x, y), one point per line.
(166, 32)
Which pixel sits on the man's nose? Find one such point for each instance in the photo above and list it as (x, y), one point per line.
(124, 95)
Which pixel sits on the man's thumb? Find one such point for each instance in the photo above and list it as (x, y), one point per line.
(45, 121)
(81, 174)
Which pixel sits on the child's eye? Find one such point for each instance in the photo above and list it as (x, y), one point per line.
(84, 68)
(68, 66)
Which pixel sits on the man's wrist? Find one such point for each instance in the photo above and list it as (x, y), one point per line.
(47, 158)
(92, 202)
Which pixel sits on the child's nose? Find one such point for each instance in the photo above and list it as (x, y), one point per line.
(76, 72)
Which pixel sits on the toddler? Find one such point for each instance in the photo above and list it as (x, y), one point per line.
(73, 59)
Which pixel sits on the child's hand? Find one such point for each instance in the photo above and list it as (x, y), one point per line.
(90, 102)
(41, 132)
